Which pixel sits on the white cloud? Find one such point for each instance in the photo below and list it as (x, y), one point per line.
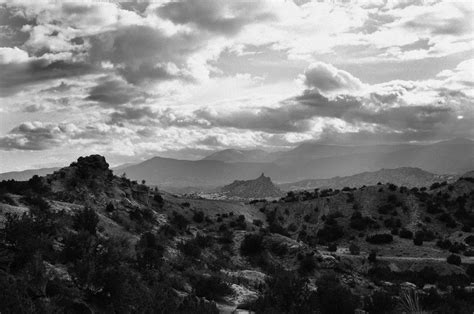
(12, 55)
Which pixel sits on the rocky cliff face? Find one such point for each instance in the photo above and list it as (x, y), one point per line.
(261, 187)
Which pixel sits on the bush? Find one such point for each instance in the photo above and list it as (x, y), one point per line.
(149, 251)
(405, 234)
(307, 265)
(454, 259)
(381, 238)
(110, 207)
(211, 287)
(190, 248)
(86, 219)
(198, 217)
(470, 270)
(251, 245)
(372, 258)
(418, 241)
(158, 198)
(379, 302)
(285, 293)
(332, 247)
(179, 220)
(330, 233)
(354, 249)
(334, 298)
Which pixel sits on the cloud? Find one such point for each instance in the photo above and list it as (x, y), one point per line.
(132, 115)
(325, 78)
(36, 136)
(226, 17)
(12, 55)
(15, 76)
(112, 92)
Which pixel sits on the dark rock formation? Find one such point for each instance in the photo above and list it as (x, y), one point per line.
(259, 188)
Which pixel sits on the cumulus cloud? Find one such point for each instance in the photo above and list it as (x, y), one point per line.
(325, 78)
(12, 55)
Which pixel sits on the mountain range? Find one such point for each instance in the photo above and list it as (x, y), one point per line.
(307, 161)
(404, 176)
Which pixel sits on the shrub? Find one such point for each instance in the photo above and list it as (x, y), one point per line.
(332, 247)
(285, 293)
(454, 259)
(211, 287)
(379, 302)
(330, 233)
(381, 238)
(86, 219)
(251, 245)
(149, 251)
(444, 244)
(372, 258)
(190, 248)
(334, 298)
(307, 265)
(470, 270)
(158, 198)
(110, 207)
(418, 241)
(354, 249)
(198, 217)
(179, 220)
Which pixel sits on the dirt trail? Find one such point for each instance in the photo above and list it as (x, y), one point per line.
(363, 255)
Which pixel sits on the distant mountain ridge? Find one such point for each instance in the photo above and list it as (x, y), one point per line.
(307, 161)
(239, 155)
(26, 174)
(261, 187)
(405, 176)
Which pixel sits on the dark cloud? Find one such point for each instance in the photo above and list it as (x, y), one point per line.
(431, 22)
(214, 15)
(142, 53)
(12, 19)
(15, 76)
(113, 92)
(132, 115)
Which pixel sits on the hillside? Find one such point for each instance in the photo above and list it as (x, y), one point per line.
(406, 176)
(84, 240)
(262, 187)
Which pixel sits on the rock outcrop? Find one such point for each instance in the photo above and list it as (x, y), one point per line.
(261, 187)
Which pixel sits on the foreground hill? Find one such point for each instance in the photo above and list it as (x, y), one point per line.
(82, 240)
(262, 187)
(410, 177)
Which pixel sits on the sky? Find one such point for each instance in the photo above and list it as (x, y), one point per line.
(182, 79)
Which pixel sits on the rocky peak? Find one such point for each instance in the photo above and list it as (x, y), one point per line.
(260, 187)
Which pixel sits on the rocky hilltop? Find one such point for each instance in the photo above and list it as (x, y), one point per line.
(261, 187)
